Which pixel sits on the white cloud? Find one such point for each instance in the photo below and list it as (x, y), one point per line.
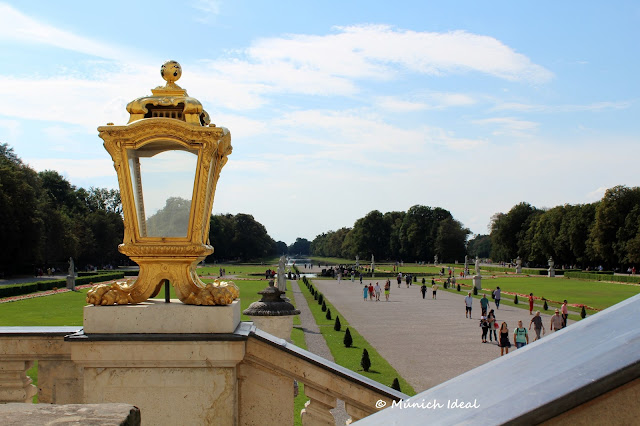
(10, 130)
(595, 106)
(75, 170)
(391, 103)
(509, 126)
(596, 194)
(18, 27)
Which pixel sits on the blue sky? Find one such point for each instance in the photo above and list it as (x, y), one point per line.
(339, 108)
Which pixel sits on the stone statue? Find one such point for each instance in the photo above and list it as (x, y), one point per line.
(552, 271)
(518, 265)
(466, 265)
(282, 279)
(477, 266)
(373, 265)
(71, 277)
(72, 268)
(357, 261)
(435, 260)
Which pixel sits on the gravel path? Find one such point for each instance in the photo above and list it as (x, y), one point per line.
(315, 342)
(427, 341)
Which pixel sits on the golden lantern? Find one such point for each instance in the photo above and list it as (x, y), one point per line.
(168, 159)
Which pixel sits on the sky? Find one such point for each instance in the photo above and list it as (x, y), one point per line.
(339, 108)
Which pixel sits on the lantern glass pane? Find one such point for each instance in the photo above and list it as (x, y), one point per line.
(162, 176)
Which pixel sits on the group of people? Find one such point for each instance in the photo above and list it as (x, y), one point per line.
(374, 292)
(488, 323)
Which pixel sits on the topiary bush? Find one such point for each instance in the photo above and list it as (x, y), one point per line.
(583, 313)
(324, 307)
(396, 385)
(515, 300)
(545, 307)
(458, 287)
(475, 290)
(328, 316)
(337, 326)
(348, 341)
(365, 362)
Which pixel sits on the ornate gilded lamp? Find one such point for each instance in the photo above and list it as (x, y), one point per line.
(168, 159)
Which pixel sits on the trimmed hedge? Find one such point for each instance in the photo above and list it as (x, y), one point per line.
(603, 277)
(525, 271)
(20, 289)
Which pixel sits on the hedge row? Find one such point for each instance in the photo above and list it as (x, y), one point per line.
(19, 289)
(526, 271)
(602, 277)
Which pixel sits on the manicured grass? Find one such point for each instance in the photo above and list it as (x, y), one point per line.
(62, 309)
(380, 371)
(599, 295)
(239, 270)
(297, 337)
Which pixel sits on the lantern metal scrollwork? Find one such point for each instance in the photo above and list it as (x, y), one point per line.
(168, 159)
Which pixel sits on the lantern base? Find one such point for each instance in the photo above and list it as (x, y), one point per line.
(156, 271)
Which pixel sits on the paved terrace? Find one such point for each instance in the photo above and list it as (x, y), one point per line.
(427, 341)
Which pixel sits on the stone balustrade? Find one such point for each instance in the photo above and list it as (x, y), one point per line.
(261, 376)
(60, 380)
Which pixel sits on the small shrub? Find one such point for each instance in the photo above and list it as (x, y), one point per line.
(328, 316)
(396, 385)
(337, 326)
(515, 300)
(348, 340)
(475, 290)
(583, 313)
(458, 287)
(324, 307)
(546, 306)
(321, 300)
(365, 362)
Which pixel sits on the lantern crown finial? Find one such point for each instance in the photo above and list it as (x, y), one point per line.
(171, 71)
(169, 101)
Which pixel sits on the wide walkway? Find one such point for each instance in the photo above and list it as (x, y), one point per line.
(427, 341)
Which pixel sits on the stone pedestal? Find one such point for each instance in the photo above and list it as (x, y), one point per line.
(164, 358)
(15, 385)
(71, 283)
(280, 326)
(156, 316)
(477, 282)
(552, 273)
(518, 269)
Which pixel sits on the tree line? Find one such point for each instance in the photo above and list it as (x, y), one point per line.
(416, 235)
(44, 220)
(605, 233)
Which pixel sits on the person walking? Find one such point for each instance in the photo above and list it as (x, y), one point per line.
(468, 301)
(365, 292)
(530, 303)
(537, 325)
(370, 292)
(556, 321)
(484, 304)
(484, 324)
(360, 278)
(520, 336)
(378, 290)
(565, 313)
(505, 344)
(423, 290)
(434, 288)
(496, 294)
(387, 290)
(491, 318)
(399, 278)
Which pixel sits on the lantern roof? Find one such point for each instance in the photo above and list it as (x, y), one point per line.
(169, 101)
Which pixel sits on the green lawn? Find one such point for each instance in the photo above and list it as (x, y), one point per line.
(243, 271)
(381, 371)
(599, 295)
